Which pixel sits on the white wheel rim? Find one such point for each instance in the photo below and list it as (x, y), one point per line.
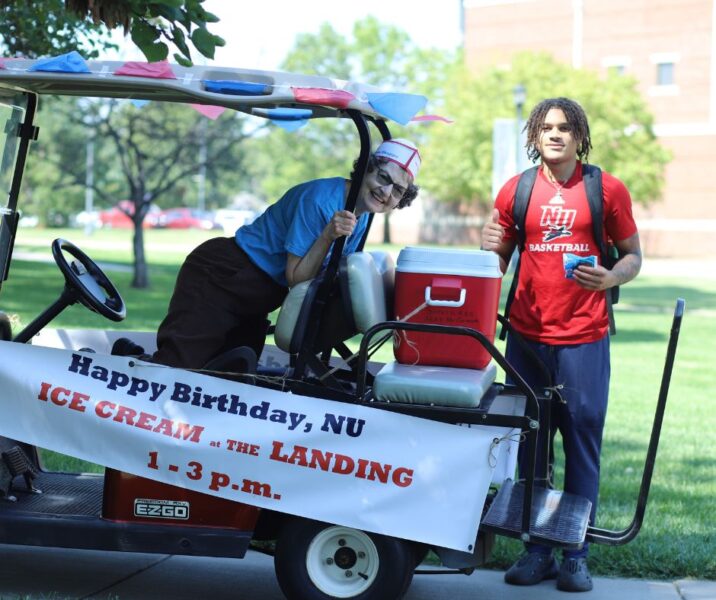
(342, 562)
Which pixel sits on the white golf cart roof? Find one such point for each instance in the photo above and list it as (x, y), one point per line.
(251, 91)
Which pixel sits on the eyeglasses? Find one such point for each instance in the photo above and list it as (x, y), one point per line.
(384, 179)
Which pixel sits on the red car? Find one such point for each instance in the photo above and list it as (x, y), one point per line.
(186, 218)
(117, 217)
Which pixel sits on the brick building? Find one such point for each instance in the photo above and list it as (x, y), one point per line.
(670, 47)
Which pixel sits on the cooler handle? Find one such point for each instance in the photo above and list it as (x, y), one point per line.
(454, 303)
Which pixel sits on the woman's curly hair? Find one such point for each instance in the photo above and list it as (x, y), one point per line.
(576, 117)
(373, 163)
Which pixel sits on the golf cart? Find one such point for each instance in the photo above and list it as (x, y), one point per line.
(159, 506)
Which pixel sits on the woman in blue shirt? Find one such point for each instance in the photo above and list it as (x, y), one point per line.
(227, 286)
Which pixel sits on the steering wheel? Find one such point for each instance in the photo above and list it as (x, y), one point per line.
(90, 285)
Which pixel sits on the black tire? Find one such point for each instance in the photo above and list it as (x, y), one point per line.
(318, 561)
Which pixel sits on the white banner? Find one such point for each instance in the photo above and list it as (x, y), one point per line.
(341, 463)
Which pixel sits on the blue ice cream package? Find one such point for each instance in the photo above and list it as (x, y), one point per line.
(572, 261)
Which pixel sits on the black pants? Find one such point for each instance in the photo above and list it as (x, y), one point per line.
(221, 300)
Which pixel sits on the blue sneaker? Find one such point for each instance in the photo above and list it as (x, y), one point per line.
(531, 568)
(574, 576)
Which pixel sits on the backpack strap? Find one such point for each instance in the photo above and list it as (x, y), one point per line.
(522, 200)
(519, 214)
(592, 177)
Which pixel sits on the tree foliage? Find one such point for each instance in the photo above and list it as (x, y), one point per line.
(146, 155)
(460, 168)
(153, 23)
(377, 54)
(35, 28)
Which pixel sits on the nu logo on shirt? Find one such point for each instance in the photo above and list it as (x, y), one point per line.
(556, 222)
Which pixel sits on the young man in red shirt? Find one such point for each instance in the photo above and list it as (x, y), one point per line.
(562, 313)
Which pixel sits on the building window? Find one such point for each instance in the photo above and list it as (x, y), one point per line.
(616, 65)
(665, 83)
(616, 69)
(665, 73)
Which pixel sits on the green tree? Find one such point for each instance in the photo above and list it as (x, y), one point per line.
(378, 54)
(460, 169)
(131, 164)
(35, 28)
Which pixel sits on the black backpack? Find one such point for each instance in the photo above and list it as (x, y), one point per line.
(592, 177)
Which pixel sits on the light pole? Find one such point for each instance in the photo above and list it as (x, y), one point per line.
(201, 178)
(519, 94)
(89, 181)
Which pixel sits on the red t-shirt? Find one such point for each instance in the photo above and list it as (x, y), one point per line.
(548, 307)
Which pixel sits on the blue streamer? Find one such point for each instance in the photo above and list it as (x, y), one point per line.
(72, 62)
(283, 114)
(236, 88)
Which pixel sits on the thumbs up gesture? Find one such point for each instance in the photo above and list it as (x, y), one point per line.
(492, 232)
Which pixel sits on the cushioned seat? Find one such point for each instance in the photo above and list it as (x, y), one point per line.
(441, 386)
(367, 280)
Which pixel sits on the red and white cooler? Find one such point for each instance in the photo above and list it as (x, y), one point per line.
(446, 287)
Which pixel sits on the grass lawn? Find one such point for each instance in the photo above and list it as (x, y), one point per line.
(678, 538)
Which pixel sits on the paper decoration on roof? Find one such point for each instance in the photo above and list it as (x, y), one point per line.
(401, 108)
(155, 70)
(324, 97)
(236, 88)
(71, 62)
(290, 126)
(289, 119)
(212, 112)
(283, 114)
(422, 118)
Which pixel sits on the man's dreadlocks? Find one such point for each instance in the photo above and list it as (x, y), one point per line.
(576, 118)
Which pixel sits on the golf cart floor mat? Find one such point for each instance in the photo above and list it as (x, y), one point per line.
(558, 518)
(62, 493)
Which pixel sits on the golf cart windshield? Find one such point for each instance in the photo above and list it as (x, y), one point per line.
(12, 109)
(13, 106)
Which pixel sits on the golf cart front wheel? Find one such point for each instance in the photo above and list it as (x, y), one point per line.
(317, 561)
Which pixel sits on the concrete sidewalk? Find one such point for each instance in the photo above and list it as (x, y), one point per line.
(33, 573)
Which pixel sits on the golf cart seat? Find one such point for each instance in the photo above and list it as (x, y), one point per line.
(428, 385)
(366, 282)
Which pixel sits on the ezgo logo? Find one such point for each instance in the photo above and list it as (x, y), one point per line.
(161, 509)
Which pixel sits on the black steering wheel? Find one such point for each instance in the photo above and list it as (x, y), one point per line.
(91, 286)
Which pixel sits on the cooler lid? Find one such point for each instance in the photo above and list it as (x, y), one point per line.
(449, 261)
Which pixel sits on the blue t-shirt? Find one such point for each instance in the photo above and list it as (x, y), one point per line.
(294, 223)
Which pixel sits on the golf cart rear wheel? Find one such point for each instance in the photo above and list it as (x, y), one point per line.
(317, 561)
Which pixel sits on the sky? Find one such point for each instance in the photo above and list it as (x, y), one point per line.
(260, 34)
